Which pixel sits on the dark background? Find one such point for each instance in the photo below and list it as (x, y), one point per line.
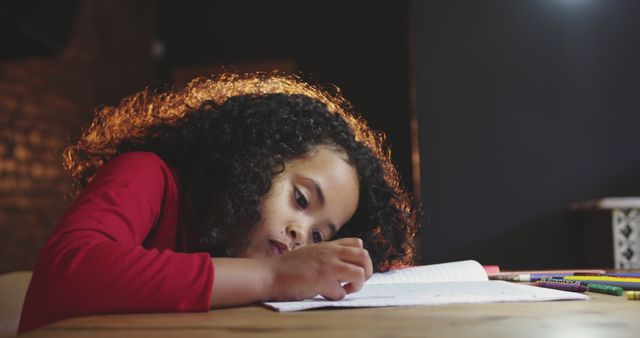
(523, 106)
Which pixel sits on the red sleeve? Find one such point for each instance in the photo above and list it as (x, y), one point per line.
(94, 261)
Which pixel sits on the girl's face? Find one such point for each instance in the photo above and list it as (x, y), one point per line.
(308, 202)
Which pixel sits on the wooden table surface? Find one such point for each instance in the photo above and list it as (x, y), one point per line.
(601, 316)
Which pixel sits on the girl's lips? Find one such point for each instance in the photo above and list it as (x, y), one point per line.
(278, 248)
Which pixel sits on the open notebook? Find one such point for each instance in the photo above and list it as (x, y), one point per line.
(438, 284)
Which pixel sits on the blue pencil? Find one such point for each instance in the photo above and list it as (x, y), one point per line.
(528, 277)
(534, 277)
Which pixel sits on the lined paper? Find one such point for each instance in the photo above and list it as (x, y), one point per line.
(435, 293)
(447, 272)
(462, 282)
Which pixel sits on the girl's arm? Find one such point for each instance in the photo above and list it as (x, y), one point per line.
(302, 273)
(95, 261)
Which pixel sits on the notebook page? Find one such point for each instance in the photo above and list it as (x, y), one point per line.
(434, 293)
(446, 272)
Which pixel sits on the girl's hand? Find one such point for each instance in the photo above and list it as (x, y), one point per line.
(330, 269)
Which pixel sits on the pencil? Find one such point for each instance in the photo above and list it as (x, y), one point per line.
(610, 274)
(608, 289)
(535, 275)
(562, 286)
(604, 278)
(529, 277)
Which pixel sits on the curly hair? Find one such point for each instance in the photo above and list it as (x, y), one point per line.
(228, 136)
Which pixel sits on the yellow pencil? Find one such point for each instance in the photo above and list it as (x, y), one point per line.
(604, 278)
(633, 295)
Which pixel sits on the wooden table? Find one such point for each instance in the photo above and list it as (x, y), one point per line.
(601, 316)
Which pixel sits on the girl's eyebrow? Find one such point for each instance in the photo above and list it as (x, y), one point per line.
(318, 192)
(316, 189)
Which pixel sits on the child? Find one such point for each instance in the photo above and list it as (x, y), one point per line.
(235, 190)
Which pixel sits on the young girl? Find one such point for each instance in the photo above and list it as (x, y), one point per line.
(235, 190)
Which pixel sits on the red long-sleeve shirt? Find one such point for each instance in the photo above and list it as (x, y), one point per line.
(117, 250)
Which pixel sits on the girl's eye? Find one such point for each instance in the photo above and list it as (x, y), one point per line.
(316, 236)
(301, 201)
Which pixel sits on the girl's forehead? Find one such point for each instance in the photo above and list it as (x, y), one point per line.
(322, 161)
(331, 178)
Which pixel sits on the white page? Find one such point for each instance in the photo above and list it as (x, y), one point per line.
(434, 293)
(446, 272)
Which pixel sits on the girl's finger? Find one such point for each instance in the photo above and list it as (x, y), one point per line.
(351, 288)
(349, 241)
(359, 257)
(333, 292)
(353, 275)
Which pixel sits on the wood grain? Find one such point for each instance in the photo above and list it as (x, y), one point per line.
(601, 316)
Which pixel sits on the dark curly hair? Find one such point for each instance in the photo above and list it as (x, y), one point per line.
(241, 133)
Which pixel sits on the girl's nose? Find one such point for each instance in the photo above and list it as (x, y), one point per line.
(298, 237)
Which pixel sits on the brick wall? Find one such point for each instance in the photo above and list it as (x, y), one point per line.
(35, 123)
(43, 104)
